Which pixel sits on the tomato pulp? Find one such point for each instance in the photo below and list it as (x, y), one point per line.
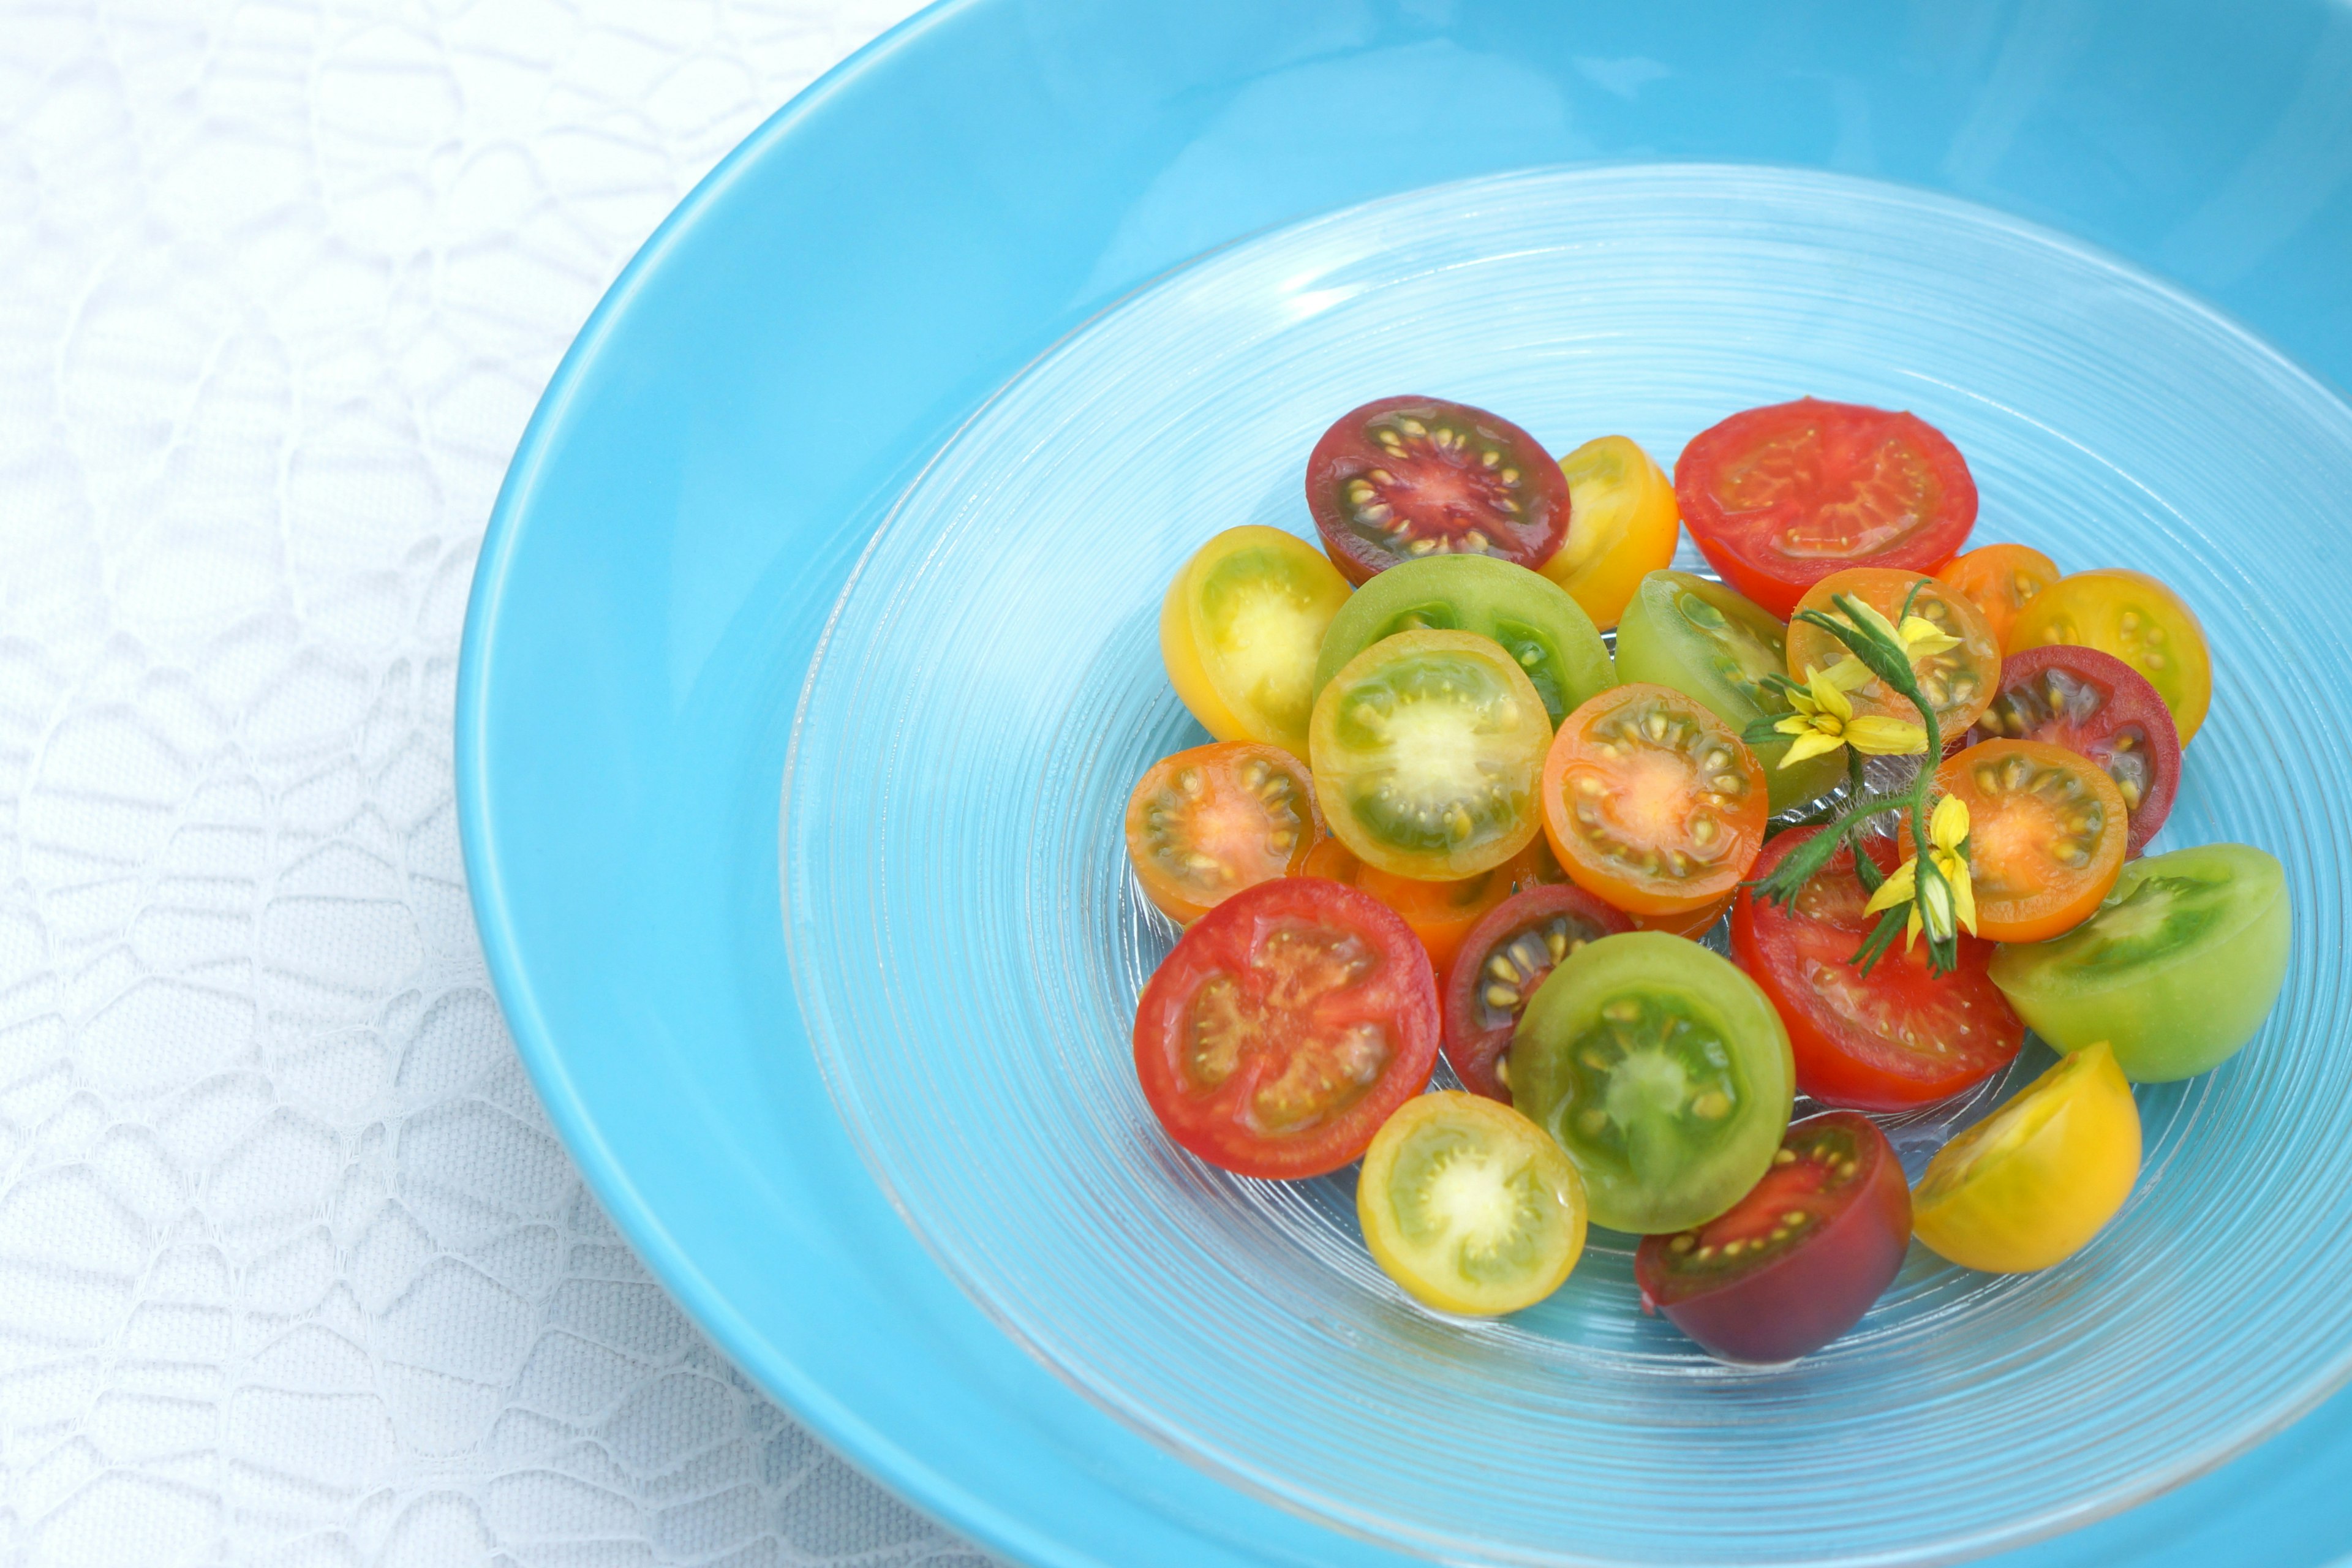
(2046, 832)
(1897, 1038)
(1285, 1027)
(1208, 822)
(1498, 965)
(1408, 477)
(1796, 1262)
(1779, 497)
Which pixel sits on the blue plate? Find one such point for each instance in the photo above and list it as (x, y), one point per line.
(818, 318)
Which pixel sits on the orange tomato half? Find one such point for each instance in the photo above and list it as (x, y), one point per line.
(2000, 580)
(1652, 802)
(1206, 823)
(1440, 913)
(2046, 833)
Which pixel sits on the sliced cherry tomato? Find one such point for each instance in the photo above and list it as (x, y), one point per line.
(1897, 1038)
(1443, 913)
(1621, 526)
(2000, 580)
(1498, 965)
(1468, 1206)
(1661, 1070)
(1285, 1027)
(1206, 823)
(1958, 682)
(1779, 498)
(2177, 971)
(2094, 703)
(2046, 832)
(1651, 802)
(1703, 639)
(2031, 1185)
(1548, 632)
(1408, 476)
(1239, 631)
(2140, 621)
(1796, 1262)
(1427, 749)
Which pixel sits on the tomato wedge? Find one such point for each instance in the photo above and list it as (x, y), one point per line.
(2095, 704)
(1285, 1027)
(1408, 476)
(1427, 749)
(2000, 580)
(1651, 802)
(1897, 1038)
(1621, 526)
(1779, 498)
(2140, 621)
(2046, 832)
(2031, 1185)
(1239, 630)
(1497, 967)
(1799, 1261)
(1468, 1206)
(1958, 681)
(1206, 823)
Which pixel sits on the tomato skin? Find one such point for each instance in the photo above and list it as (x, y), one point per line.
(2095, 704)
(1827, 471)
(1819, 1286)
(1960, 681)
(1246, 799)
(1252, 682)
(1390, 436)
(2176, 971)
(1428, 1238)
(1267, 947)
(2000, 580)
(1652, 796)
(2031, 1185)
(1621, 526)
(2023, 798)
(1479, 1020)
(1443, 913)
(1845, 1056)
(2140, 621)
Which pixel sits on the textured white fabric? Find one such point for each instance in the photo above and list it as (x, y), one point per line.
(291, 1270)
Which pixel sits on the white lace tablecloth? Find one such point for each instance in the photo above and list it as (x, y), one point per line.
(292, 1271)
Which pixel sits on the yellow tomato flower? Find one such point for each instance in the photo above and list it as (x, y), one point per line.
(1825, 721)
(1950, 903)
(1918, 638)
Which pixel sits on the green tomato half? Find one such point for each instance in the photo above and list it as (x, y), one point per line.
(1708, 643)
(1665, 1073)
(1531, 616)
(2176, 970)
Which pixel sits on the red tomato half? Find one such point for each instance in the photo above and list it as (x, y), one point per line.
(1285, 1027)
(1408, 477)
(1501, 964)
(1894, 1038)
(2095, 704)
(1779, 498)
(1796, 1262)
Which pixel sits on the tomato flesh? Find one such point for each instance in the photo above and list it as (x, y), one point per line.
(2140, 621)
(2046, 833)
(2095, 704)
(1898, 1037)
(1468, 1206)
(1779, 497)
(1206, 823)
(1285, 1027)
(2000, 580)
(1800, 1260)
(1404, 478)
(1239, 630)
(1651, 802)
(1498, 967)
(1958, 682)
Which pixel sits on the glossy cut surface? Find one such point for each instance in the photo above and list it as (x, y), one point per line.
(912, 232)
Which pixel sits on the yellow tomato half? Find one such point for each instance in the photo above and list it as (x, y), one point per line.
(2031, 1184)
(1621, 526)
(1239, 631)
(1469, 1205)
(2135, 617)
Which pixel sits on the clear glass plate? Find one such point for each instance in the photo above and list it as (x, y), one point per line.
(968, 944)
